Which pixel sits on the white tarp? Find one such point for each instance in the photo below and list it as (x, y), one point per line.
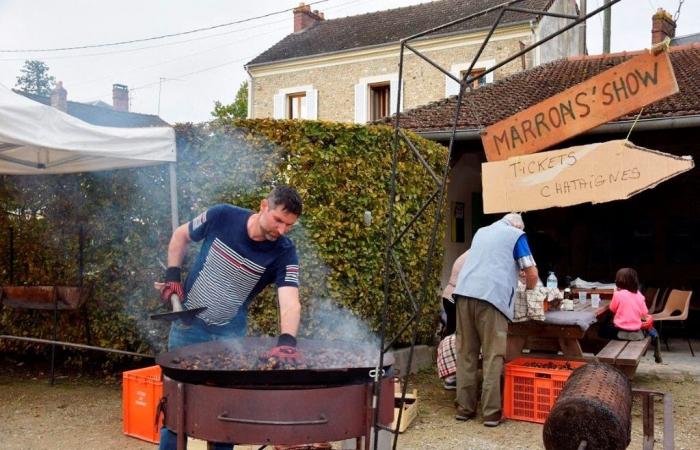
(37, 139)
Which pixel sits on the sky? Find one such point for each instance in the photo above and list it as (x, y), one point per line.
(181, 77)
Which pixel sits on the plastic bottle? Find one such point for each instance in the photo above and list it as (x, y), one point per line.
(552, 280)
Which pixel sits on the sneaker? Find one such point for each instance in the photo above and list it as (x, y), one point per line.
(463, 416)
(450, 383)
(492, 422)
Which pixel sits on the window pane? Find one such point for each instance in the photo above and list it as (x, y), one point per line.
(296, 106)
(475, 73)
(379, 101)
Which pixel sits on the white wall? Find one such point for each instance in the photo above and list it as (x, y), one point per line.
(465, 178)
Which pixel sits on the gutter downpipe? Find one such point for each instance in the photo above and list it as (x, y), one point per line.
(474, 134)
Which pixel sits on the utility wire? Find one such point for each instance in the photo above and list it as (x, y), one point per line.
(185, 41)
(206, 69)
(179, 58)
(153, 38)
(248, 58)
(166, 44)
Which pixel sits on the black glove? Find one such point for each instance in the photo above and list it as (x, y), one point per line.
(172, 285)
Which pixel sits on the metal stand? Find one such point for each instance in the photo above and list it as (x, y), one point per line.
(54, 296)
(648, 418)
(392, 263)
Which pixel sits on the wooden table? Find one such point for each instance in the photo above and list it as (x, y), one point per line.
(548, 336)
(605, 294)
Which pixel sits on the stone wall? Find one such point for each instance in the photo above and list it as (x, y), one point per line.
(422, 82)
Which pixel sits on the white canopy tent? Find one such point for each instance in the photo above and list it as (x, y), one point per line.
(36, 139)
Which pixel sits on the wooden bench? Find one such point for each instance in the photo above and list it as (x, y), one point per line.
(625, 355)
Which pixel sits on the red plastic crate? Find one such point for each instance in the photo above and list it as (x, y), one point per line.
(530, 392)
(141, 392)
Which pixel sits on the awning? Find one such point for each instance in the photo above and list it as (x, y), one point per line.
(37, 139)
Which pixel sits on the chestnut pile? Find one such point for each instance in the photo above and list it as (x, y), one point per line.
(565, 365)
(258, 359)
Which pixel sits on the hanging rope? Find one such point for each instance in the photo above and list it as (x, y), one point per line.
(636, 119)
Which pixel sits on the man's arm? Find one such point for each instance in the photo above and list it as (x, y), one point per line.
(176, 254)
(290, 309)
(178, 245)
(531, 277)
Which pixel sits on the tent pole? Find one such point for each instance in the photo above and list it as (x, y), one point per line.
(173, 195)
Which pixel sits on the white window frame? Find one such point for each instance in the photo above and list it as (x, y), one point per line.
(362, 94)
(452, 87)
(280, 102)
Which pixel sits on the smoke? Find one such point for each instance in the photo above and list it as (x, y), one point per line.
(326, 318)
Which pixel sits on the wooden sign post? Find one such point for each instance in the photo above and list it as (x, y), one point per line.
(593, 173)
(620, 90)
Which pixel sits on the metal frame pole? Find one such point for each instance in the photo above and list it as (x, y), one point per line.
(392, 262)
(12, 255)
(174, 219)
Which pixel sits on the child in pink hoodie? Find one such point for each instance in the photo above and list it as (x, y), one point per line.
(631, 313)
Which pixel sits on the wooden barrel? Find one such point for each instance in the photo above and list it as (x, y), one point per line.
(595, 406)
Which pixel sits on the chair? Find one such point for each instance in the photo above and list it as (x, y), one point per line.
(651, 295)
(676, 308)
(660, 302)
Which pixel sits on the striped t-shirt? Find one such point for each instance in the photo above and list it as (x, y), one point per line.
(231, 269)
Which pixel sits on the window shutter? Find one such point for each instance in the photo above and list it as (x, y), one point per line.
(312, 104)
(278, 104)
(451, 86)
(361, 103)
(393, 92)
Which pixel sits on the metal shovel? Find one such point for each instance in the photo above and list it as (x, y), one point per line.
(178, 313)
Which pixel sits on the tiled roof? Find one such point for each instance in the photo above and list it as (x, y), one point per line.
(497, 101)
(389, 26)
(106, 117)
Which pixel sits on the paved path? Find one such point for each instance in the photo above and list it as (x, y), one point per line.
(678, 363)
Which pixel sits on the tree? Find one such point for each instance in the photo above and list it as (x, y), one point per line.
(236, 110)
(35, 78)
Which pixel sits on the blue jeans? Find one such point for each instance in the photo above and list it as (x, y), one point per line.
(197, 331)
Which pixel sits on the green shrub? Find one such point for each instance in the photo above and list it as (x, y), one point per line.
(340, 170)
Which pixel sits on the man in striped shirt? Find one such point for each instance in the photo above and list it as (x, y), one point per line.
(242, 252)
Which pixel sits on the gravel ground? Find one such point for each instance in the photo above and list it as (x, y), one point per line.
(436, 428)
(86, 413)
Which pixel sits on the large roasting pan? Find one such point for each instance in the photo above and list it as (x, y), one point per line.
(335, 376)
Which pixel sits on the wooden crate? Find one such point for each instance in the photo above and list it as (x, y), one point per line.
(410, 407)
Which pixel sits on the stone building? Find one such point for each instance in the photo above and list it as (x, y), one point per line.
(346, 69)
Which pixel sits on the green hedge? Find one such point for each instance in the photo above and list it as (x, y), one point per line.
(340, 170)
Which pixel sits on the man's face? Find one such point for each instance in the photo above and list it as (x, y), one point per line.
(275, 222)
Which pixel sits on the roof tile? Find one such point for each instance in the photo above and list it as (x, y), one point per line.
(390, 26)
(492, 103)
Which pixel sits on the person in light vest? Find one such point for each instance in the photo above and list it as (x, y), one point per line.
(485, 299)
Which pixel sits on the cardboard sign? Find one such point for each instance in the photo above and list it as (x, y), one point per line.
(611, 94)
(593, 173)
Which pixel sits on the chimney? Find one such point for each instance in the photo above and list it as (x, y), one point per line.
(120, 97)
(59, 97)
(304, 17)
(662, 26)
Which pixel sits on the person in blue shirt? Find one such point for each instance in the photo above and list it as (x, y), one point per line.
(242, 252)
(484, 301)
